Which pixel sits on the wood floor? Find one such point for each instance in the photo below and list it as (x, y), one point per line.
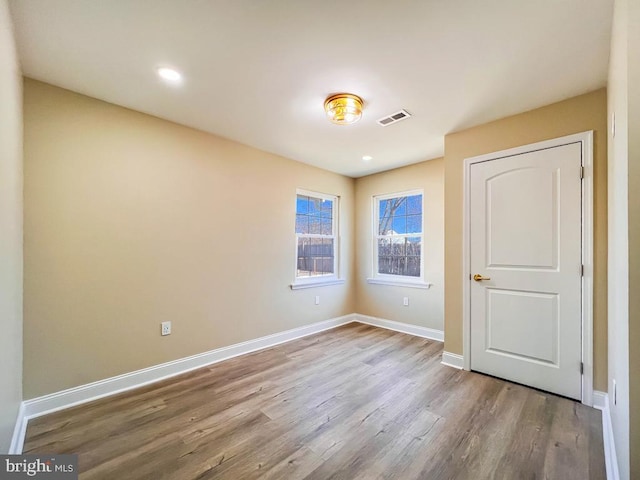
(356, 402)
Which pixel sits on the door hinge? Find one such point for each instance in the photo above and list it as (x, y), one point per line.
(581, 368)
(581, 173)
(582, 270)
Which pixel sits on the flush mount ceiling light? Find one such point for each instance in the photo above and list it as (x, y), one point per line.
(367, 158)
(343, 108)
(169, 74)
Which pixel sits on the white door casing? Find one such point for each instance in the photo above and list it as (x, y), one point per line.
(528, 229)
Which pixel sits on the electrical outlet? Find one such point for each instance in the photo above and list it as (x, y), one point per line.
(615, 392)
(405, 301)
(317, 299)
(165, 328)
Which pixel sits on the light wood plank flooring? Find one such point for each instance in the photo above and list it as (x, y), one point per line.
(356, 402)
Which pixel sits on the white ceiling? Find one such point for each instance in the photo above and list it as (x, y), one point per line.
(258, 71)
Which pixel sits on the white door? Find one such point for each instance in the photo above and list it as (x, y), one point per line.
(525, 243)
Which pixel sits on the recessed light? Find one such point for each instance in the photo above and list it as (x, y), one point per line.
(169, 74)
(367, 158)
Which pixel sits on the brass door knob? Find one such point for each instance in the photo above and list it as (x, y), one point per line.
(478, 278)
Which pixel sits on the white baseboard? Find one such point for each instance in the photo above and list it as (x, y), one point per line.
(453, 360)
(601, 402)
(110, 386)
(46, 404)
(19, 431)
(424, 332)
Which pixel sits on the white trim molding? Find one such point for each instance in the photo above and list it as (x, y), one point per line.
(54, 402)
(415, 330)
(391, 279)
(601, 402)
(320, 280)
(319, 283)
(453, 360)
(586, 141)
(399, 283)
(19, 432)
(46, 404)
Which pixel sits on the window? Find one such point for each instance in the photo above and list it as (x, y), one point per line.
(398, 239)
(316, 239)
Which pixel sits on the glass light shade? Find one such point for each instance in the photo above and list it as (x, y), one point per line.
(343, 108)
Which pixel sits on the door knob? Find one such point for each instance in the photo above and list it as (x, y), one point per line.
(477, 277)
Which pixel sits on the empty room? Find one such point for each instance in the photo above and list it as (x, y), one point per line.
(320, 240)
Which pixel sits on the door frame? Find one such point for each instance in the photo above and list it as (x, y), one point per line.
(586, 141)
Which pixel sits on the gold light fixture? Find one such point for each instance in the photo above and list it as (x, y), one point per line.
(343, 108)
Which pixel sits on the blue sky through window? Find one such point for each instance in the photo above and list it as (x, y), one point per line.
(400, 215)
(314, 215)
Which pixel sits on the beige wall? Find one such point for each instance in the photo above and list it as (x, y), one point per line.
(10, 231)
(131, 220)
(426, 307)
(578, 114)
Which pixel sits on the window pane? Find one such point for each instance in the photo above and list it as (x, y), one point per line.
(326, 226)
(315, 226)
(315, 256)
(399, 205)
(383, 247)
(302, 204)
(302, 223)
(384, 265)
(402, 266)
(328, 246)
(398, 247)
(392, 215)
(414, 252)
(399, 256)
(315, 206)
(315, 217)
(303, 269)
(382, 208)
(384, 217)
(414, 246)
(327, 256)
(394, 270)
(398, 216)
(327, 208)
(413, 267)
(414, 204)
(414, 224)
(399, 224)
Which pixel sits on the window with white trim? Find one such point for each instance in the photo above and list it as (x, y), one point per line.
(316, 237)
(398, 237)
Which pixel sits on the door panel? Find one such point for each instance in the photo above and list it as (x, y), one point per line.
(534, 315)
(528, 190)
(525, 232)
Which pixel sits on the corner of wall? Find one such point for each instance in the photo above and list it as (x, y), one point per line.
(11, 226)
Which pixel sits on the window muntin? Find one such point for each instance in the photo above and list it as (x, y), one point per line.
(316, 225)
(398, 236)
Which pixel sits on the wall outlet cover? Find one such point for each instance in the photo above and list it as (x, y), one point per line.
(165, 328)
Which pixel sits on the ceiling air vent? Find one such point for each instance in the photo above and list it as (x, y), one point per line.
(394, 118)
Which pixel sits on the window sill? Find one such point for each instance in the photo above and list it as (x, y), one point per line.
(316, 283)
(399, 283)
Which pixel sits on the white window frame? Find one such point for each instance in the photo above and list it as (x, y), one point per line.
(387, 279)
(322, 280)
